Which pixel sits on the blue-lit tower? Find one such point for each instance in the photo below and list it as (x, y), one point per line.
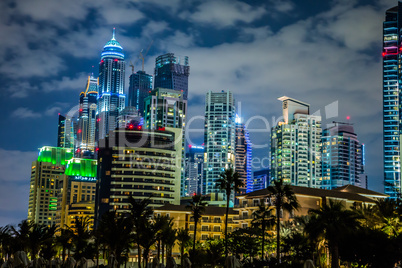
(111, 99)
(391, 100)
(172, 72)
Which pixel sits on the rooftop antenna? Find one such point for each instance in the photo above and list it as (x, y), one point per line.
(114, 33)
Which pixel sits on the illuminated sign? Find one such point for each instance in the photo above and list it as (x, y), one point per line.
(81, 178)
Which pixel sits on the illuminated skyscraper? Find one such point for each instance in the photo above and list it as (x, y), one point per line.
(47, 175)
(243, 156)
(194, 170)
(61, 187)
(296, 146)
(111, 99)
(87, 118)
(392, 96)
(342, 157)
(172, 72)
(167, 108)
(140, 87)
(219, 137)
(65, 132)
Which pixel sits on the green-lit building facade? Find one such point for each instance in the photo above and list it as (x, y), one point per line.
(57, 182)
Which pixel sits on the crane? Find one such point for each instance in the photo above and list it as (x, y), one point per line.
(132, 66)
(142, 56)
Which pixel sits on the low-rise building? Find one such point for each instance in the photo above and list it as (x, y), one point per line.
(308, 198)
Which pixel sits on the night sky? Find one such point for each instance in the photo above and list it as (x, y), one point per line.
(326, 53)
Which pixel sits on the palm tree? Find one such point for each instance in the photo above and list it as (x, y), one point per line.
(332, 222)
(140, 214)
(64, 241)
(115, 233)
(147, 238)
(388, 215)
(48, 243)
(197, 206)
(21, 235)
(5, 239)
(263, 217)
(36, 237)
(184, 238)
(228, 182)
(284, 200)
(81, 238)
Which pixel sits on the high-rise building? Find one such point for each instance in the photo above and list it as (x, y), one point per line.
(61, 131)
(243, 156)
(111, 99)
(65, 132)
(140, 87)
(296, 146)
(61, 188)
(219, 137)
(172, 72)
(138, 163)
(87, 119)
(47, 175)
(194, 170)
(167, 108)
(342, 157)
(261, 179)
(392, 96)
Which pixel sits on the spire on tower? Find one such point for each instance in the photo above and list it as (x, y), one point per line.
(114, 34)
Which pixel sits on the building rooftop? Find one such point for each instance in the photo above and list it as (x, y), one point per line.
(354, 193)
(357, 190)
(209, 210)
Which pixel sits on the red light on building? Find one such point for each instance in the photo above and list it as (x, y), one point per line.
(348, 117)
(139, 127)
(116, 60)
(102, 61)
(189, 146)
(97, 149)
(383, 54)
(161, 129)
(130, 126)
(79, 131)
(97, 120)
(80, 110)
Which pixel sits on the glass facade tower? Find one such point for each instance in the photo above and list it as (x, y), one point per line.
(296, 146)
(219, 138)
(342, 157)
(172, 72)
(140, 87)
(391, 100)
